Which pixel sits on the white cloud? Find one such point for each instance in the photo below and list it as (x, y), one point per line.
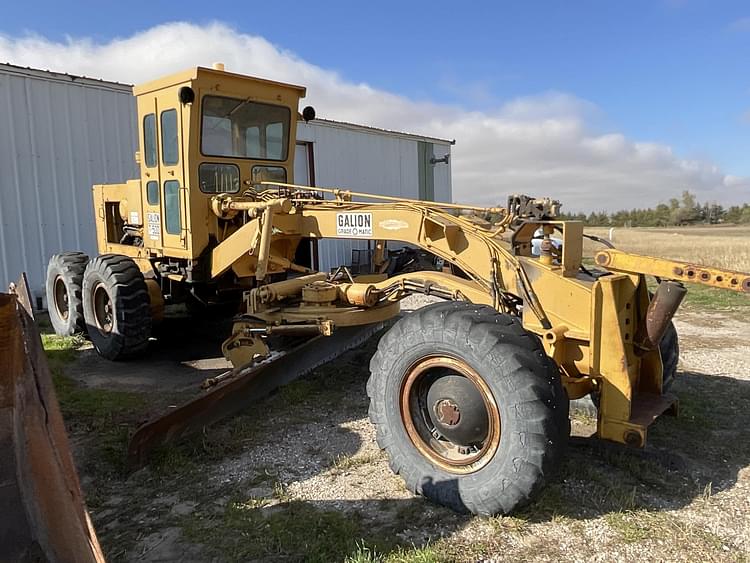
(740, 25)
(541, 145)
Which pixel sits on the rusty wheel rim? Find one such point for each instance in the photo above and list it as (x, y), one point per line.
(103, 310)
(61, 298)
(428, 435)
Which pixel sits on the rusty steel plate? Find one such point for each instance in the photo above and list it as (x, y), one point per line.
(43, 516)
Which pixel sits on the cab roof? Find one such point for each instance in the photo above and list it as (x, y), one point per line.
(203, 72)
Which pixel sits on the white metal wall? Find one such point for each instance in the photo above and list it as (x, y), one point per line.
(442, 172)
(367, 160)
(59, 135)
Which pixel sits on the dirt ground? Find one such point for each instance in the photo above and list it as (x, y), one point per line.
(300, 477)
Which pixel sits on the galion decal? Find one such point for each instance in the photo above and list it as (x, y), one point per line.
(354, 224)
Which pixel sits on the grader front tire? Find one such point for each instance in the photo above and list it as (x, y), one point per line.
(468, 407)
(670, 356)
(116, 306)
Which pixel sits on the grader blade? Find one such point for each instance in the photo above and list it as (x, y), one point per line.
(240, 390)
(21, 290)
(42, 512)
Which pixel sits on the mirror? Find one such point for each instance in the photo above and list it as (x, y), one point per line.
(186, 95)
(308, 114)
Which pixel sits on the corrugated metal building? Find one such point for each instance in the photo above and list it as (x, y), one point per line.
(370, 160)
(60, 134)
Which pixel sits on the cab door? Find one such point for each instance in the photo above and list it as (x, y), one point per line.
(173, 193)
(151, 183)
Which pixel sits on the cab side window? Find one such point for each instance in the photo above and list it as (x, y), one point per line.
(152, 192)
(172, 221)
(149, 140)
(170, 153)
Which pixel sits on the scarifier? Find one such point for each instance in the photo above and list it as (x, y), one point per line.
(470, 396)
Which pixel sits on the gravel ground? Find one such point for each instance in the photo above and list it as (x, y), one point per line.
(716, 344)
(686, 497)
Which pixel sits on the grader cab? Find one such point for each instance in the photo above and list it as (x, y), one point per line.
(470, 396)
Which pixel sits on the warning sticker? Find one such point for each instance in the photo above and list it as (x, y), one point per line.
(354, 224)
(154, 226)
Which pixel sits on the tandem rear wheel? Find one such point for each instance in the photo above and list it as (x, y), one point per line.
(468, 407)
(116, 306)
(64, 292)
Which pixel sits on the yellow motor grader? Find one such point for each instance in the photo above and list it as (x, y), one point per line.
(470, 395)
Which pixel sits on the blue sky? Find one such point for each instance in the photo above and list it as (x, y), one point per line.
(674, 72)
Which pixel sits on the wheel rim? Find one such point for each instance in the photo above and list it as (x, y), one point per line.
(61, 298)
(103, 310)
(449, 414)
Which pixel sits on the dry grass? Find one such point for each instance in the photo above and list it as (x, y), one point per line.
(719, 246)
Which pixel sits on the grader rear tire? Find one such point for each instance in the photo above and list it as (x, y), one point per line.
(64, 290)
(670, 356)
(469, 408)
(116, 306)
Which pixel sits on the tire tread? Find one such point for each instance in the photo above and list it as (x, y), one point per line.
(71, 267)
(127, 288)
(521, 363)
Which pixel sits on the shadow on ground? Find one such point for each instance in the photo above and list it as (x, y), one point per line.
(696, 454)
(182, 353)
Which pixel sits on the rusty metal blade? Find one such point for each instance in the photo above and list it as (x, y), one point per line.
(233, 395)
(21, 290)
(42, 512)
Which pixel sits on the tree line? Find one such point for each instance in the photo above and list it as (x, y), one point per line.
(683, 211)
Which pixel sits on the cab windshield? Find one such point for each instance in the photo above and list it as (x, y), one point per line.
(243, 129)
